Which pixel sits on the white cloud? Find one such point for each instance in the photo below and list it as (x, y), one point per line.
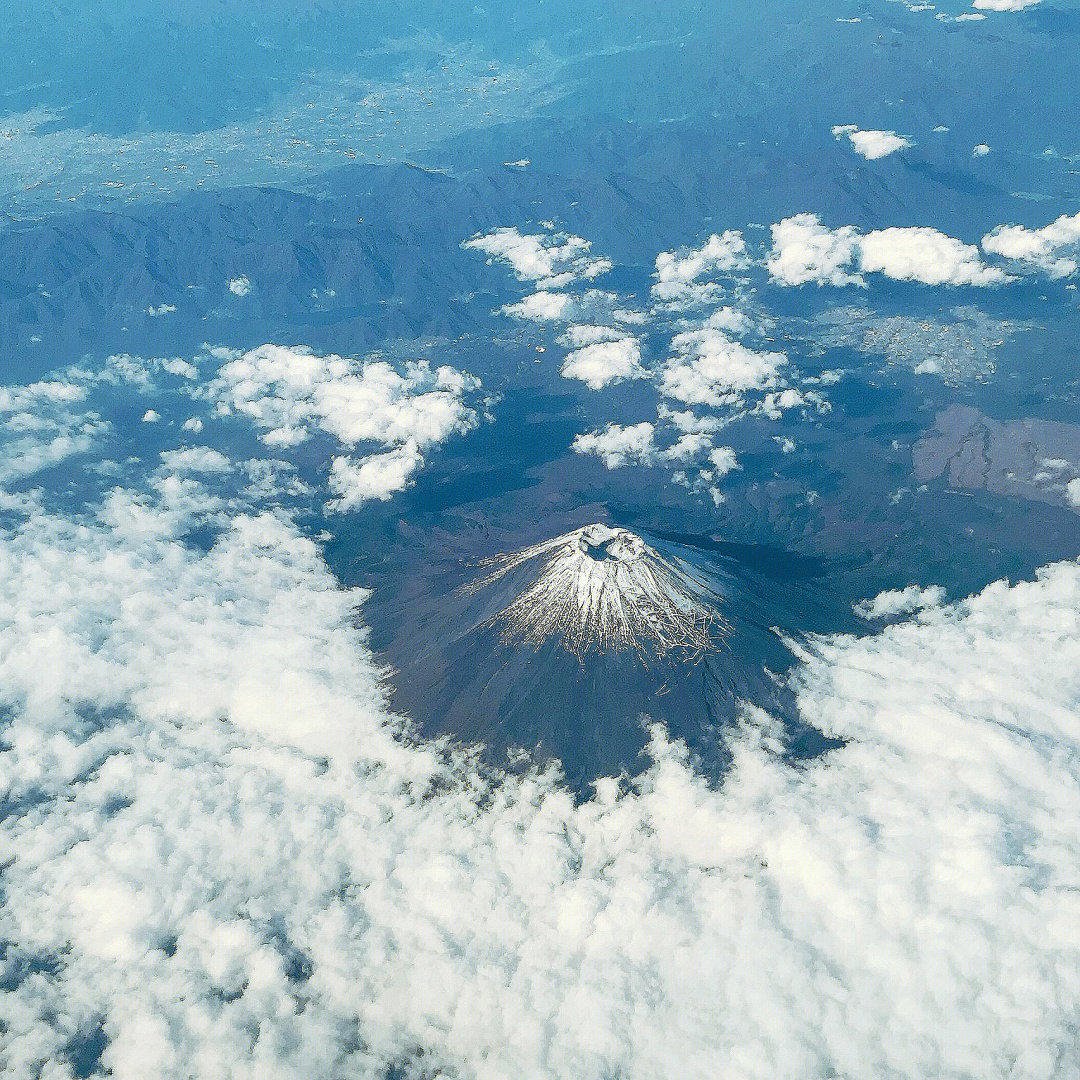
(177, 366)
(41, 427)
(291, 393)
(729, 319)
(687, 446)
(900, 602)
(927, 256)
(239, 286)
(1041, 248)
(590, 334)
(288, 393)
(378, 476)
(1003, 5)
(151, 416)
(198, 459)
(775, 403)
(48, 445)
(872, 144)
(540, 307)
(140, 372)
(709, 368)
(551, 259)
(600, 362)
(635, 445)
(618, 445)
(723, 460)
(980, 150)
(805, 251)
(677, 270)
(47, 392)
(688, 420)
(1072, 492)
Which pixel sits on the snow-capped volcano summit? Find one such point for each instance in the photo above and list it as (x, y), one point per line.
(606, 589)
(566, 648)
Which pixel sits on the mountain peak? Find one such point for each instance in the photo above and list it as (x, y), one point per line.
(603, 588)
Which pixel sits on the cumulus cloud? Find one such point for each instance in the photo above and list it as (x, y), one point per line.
(709, 363)
(1041, 249)
(550, 259)
(604, 355)
(1003, 5)
(686, 447)
(197, 459)
(288, 393)
(775, 403)
(222, 858)
(143, 373)
(291, 393)
(927, 256)
(871, 144)
(677, 271)
(378, 476)
(723, 460)
(689, 421)
(710, 368)
(239, 286)
(895, 602)
(42, 428)
(804, 250)
(24, 399)
(544, 306)
(617, 445)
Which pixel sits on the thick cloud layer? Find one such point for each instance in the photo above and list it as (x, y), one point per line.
(223, 858)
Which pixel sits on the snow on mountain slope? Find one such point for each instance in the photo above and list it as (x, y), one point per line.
(604, 588)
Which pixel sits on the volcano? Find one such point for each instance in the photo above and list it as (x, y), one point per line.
(569, 648)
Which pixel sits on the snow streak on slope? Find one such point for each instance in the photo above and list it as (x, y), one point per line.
(606, 589)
